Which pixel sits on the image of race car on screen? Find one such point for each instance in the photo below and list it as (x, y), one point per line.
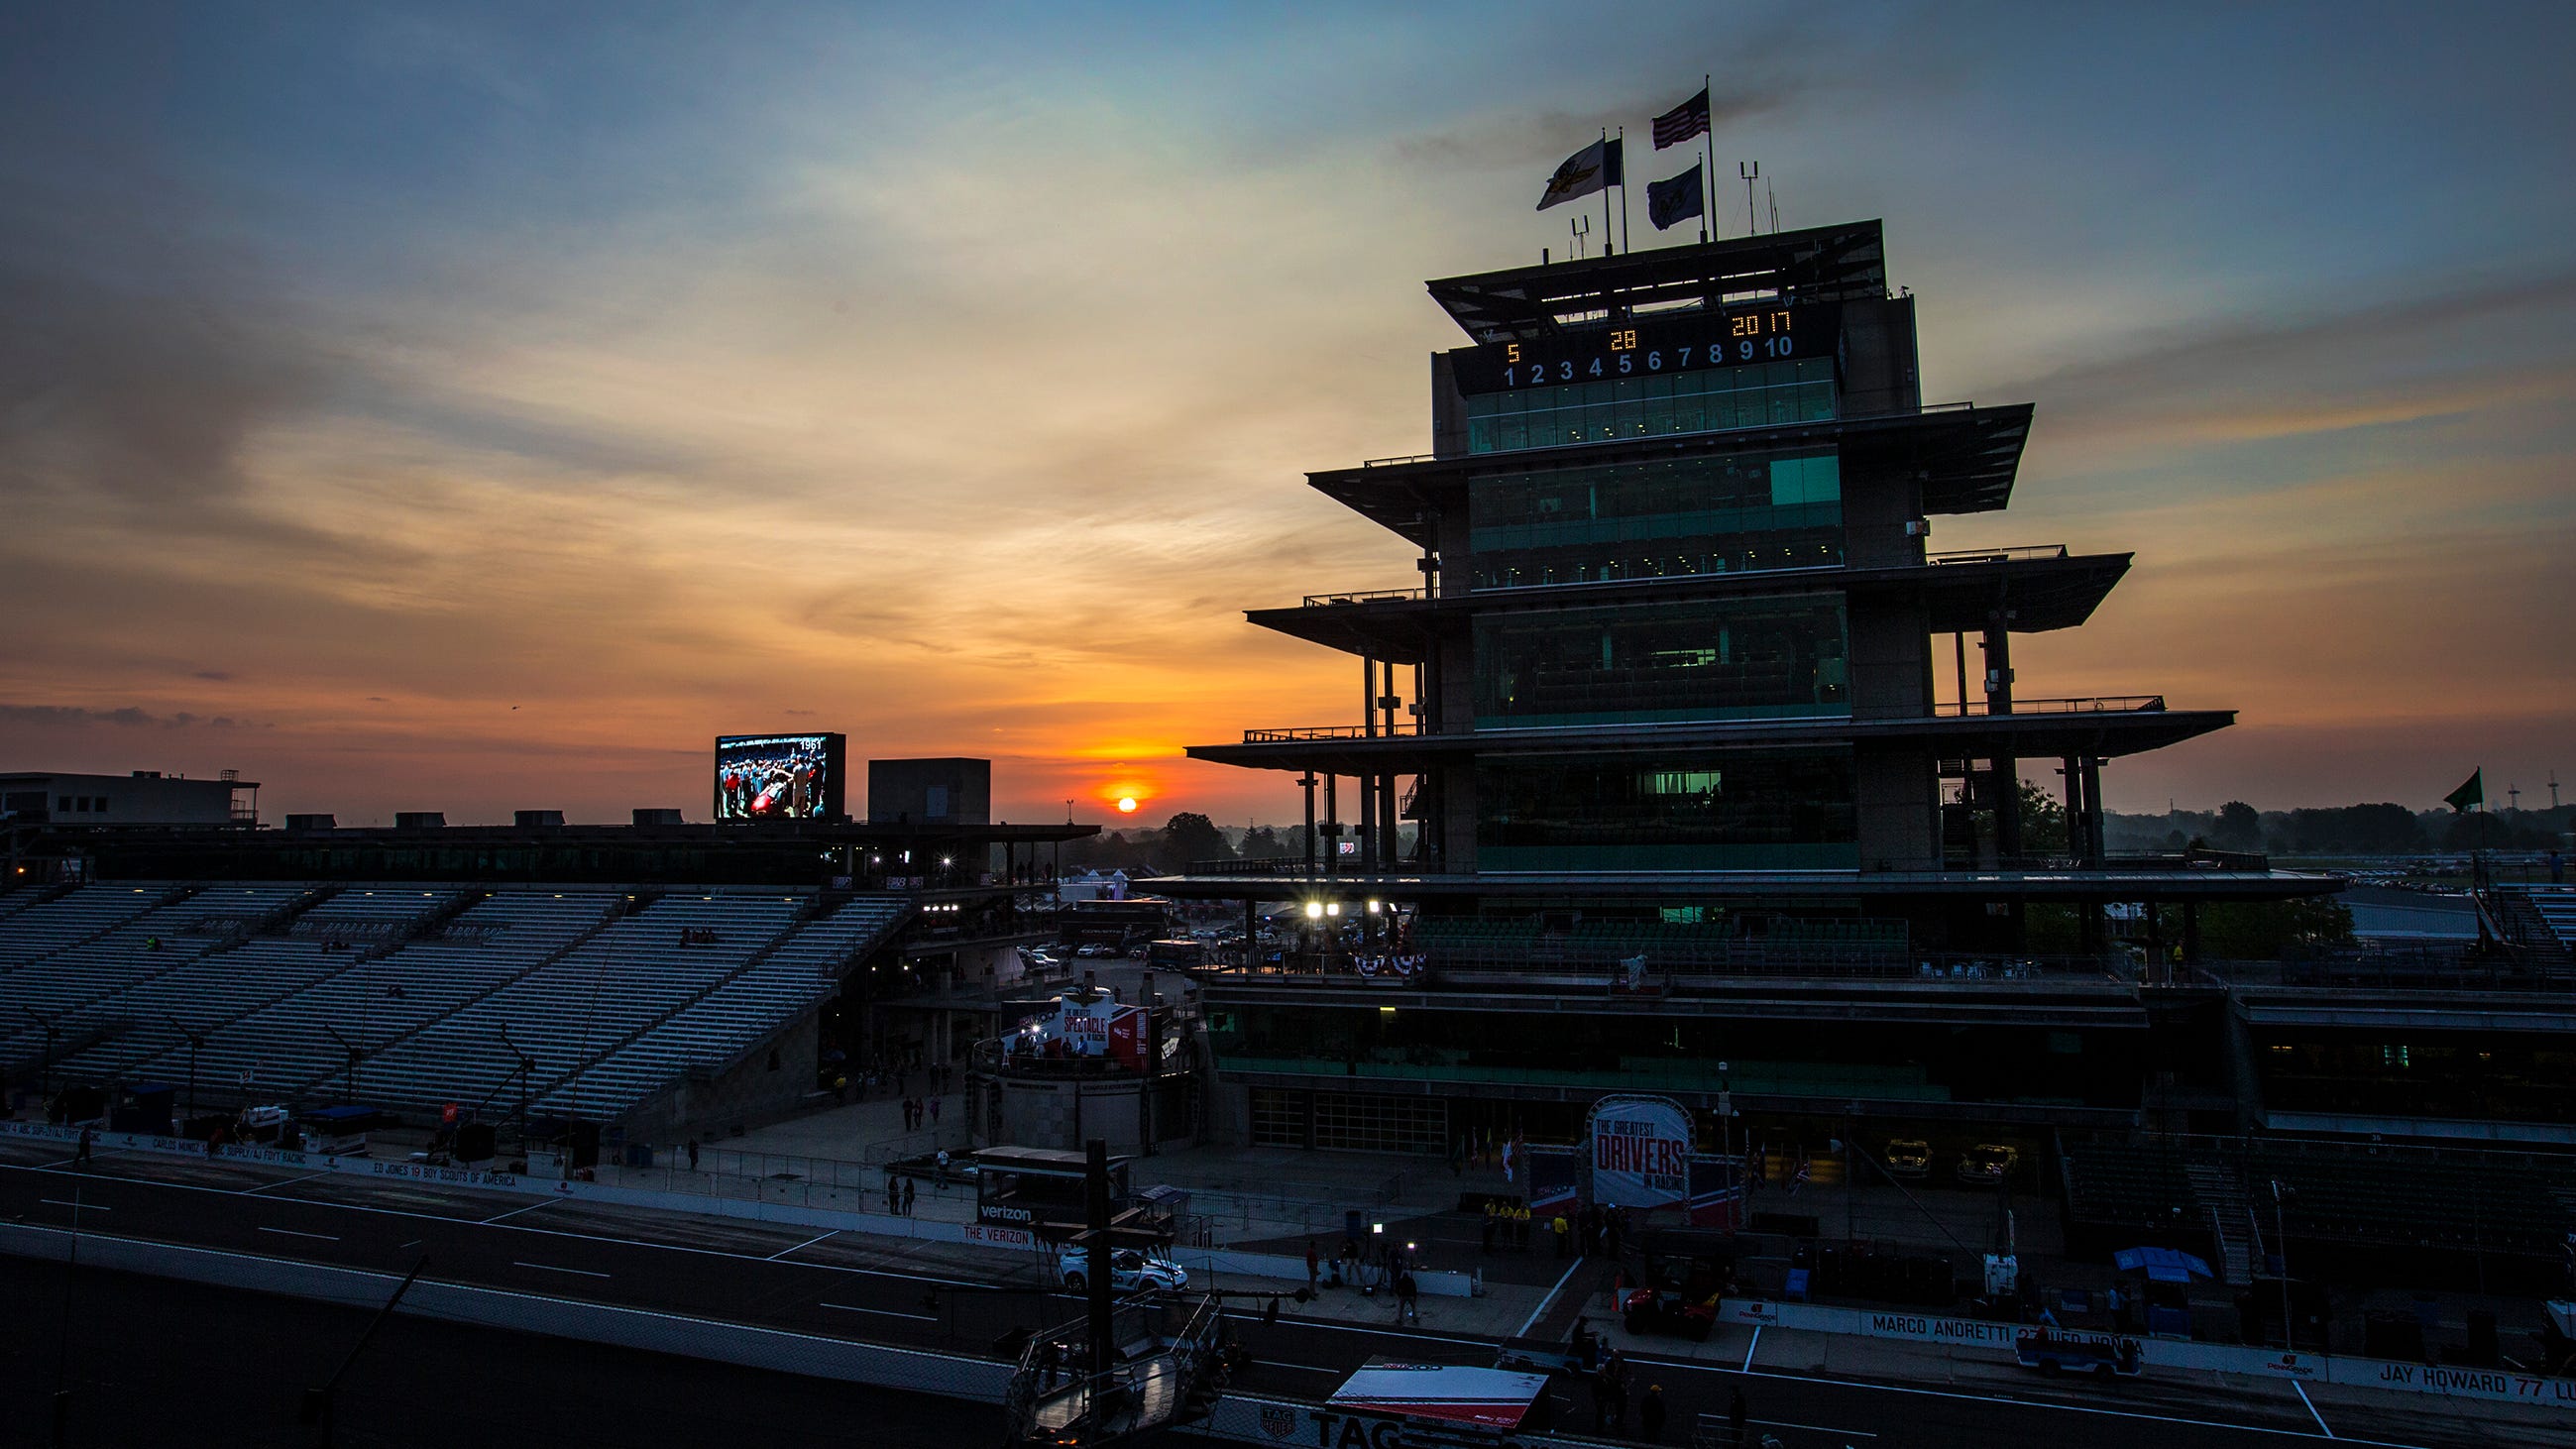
(776, 780)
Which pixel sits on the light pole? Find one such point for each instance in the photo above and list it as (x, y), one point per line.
(2281, 1242)
(194, 1041)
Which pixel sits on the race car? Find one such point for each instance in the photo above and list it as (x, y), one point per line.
(1668, 1310)
(1130, 1271)
(1987, 1163)
(1908, 1159)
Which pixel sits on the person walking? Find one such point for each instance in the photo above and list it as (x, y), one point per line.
(1564, 1234)
(934, 1111)
(693, 1154)
(1408, 1308)
(1314, 1265)
(1487, 1244)
(1650, 1414)
(80, 1155)
(1617, 1368)
(910, 1191)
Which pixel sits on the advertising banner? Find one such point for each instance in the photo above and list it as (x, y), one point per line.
(1716, 1192)
(1640, 1152)
(1555, 1180)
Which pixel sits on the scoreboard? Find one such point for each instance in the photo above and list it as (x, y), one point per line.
(1647, 347)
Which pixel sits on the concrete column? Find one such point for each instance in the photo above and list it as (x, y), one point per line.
(1307, 782)
(1332, 829)
(2006, 770)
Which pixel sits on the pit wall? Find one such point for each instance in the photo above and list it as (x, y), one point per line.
(2499, 1386)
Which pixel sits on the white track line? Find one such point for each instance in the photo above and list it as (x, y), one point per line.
(1541, 1310)
(292, 1233)
(1750, 1347)
(809, 1242)
(551, 1268)
(884, 1312)
(514, 1212)
(86, 1207)
(281, 1182)
(2312, 1408)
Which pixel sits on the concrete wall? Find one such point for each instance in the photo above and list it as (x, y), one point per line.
(128, 799)
(1899, 809)
(1879, 358)
(1040, 1113)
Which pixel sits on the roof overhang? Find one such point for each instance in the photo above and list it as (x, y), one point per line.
(1846, 262)
(2031, 595)
(2103, 734)
(1963, 456)
(2109, 884)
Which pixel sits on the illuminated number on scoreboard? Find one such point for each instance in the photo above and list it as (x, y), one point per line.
(1619, 352)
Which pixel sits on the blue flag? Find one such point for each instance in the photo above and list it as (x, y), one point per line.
(1676, 200)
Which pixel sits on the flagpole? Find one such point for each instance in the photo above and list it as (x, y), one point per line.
(1708, 177)
(1606, 232)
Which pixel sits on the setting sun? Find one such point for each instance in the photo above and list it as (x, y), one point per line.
(1126, 804)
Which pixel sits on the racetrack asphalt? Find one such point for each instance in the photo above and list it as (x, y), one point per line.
(962, 1300)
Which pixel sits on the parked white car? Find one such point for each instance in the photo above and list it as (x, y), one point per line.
(1130, 1271)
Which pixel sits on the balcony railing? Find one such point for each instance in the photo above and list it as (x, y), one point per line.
(2095, 704)
(1363, 596)
(1997, 555)
(1863, 549)
(1951, 709)
(1331, 732)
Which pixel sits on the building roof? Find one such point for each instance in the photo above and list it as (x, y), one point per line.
(1964, 457)
(2036, 589)
(2101, 729)
(1816, 264)
(2163, 879)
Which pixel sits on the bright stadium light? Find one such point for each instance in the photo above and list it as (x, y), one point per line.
(1314, 910)
(1372, 908)
(1334, 909)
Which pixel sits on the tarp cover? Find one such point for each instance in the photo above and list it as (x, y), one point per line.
(2162, 1265)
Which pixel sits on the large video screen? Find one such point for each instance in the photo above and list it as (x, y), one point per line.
(779, 777)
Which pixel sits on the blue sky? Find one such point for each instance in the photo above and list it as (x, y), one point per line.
(441, 395)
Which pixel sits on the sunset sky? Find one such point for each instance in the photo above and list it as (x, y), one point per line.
(477, 408)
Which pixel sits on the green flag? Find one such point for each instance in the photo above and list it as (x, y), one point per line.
(2472, 791)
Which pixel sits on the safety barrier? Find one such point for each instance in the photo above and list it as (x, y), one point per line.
(1975, 1334)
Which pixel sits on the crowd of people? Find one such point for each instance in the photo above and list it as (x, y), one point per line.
(1370, 1269)
(1591, 1231)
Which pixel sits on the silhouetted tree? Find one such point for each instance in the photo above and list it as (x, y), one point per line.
(1191, 836)
(2239, 827)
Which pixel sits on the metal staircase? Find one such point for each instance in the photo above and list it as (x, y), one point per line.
(2222, 1196)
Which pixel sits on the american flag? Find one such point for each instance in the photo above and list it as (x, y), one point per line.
(1682, 122)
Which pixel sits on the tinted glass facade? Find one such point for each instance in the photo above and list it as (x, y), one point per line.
(1657, 520)
(1650, 406)
(1740, 810)
(1759, 658)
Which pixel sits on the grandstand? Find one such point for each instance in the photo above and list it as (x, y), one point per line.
(2336, 1196)
(2541, 917)
(413, 997)
(1478, 943)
